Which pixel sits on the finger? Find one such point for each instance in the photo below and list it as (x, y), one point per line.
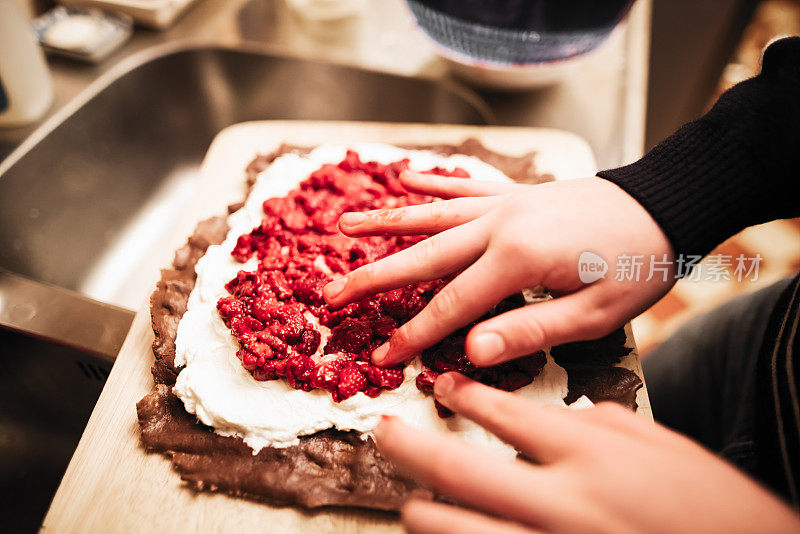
(627, 424)
(430, 259)
(542, 433)
(480, 478)
(427, 517)
(447, 187)
(573, 317)
(614, 416)
(468, 296)
(430, 218)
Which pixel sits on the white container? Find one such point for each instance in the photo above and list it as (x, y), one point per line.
(26, 89)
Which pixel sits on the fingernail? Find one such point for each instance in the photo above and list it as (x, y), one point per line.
(488, 346)
(352, 218)
(333, 289)
(443, 385)
(379, 354)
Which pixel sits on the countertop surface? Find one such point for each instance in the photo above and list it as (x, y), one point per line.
(603, 101)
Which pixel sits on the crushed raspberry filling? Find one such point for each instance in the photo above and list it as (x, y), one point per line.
(449, 355)
(278, 314)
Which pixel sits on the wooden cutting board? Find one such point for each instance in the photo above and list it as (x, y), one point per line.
(112, 485)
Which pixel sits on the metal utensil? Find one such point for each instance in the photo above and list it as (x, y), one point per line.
(62, 316)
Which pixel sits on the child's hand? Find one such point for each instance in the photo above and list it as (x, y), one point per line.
(507, 237)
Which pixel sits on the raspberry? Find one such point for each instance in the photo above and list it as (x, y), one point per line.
(383, 325)
(294, 219)
(448, 355)
(384, 378)
(414, 305)
(229, 307)
(425, 381)
(244, 248)
(308, 290)
(263, 309)
(248, 359)
(262, 351)
(326, 376)
(351, 335)
(351, 161)
(531, 364)
(393, 303)
(278, 345)
(261, 375)
(244, 285)
(245, 325)
(512, 380)
(276, 367)
(442, 410)
(309, 342)
(290, 328)
(392, 378)
(297, 245)
(299, 370)
(280, 286)
(351, 381)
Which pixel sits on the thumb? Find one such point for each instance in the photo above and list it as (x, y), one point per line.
(573, 317)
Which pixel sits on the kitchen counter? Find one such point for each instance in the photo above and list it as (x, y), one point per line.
(603, 101)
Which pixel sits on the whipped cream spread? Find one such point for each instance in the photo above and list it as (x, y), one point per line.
(222, 394)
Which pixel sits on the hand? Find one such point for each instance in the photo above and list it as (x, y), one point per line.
(596, 470)
(507, 237)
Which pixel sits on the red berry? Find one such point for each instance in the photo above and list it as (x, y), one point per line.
(425, 380)
(260, 350)
(392, 378)
(266, 309)
(261, 375)
(326, 376)
(299, 370)
(249, 360)
(279, 285)
(309, 342)
(351, 335)
(442, 410)
(384, 378)
(351, 381)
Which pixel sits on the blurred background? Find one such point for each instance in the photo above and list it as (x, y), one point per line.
(778, 242)
(108, 106)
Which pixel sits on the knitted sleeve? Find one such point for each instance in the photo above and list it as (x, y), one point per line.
(736, 166)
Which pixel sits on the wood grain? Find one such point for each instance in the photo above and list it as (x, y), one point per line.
(112, 485)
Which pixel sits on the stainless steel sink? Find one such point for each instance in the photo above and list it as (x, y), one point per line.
(134, 147)
(84, 201)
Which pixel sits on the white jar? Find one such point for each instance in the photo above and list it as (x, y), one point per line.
(26, 89)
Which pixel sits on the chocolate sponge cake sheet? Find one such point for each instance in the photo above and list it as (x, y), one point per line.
(331, 467)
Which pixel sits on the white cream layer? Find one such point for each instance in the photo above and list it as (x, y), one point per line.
(223, 395)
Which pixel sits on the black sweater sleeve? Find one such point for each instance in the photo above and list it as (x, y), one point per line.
(737, 166)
